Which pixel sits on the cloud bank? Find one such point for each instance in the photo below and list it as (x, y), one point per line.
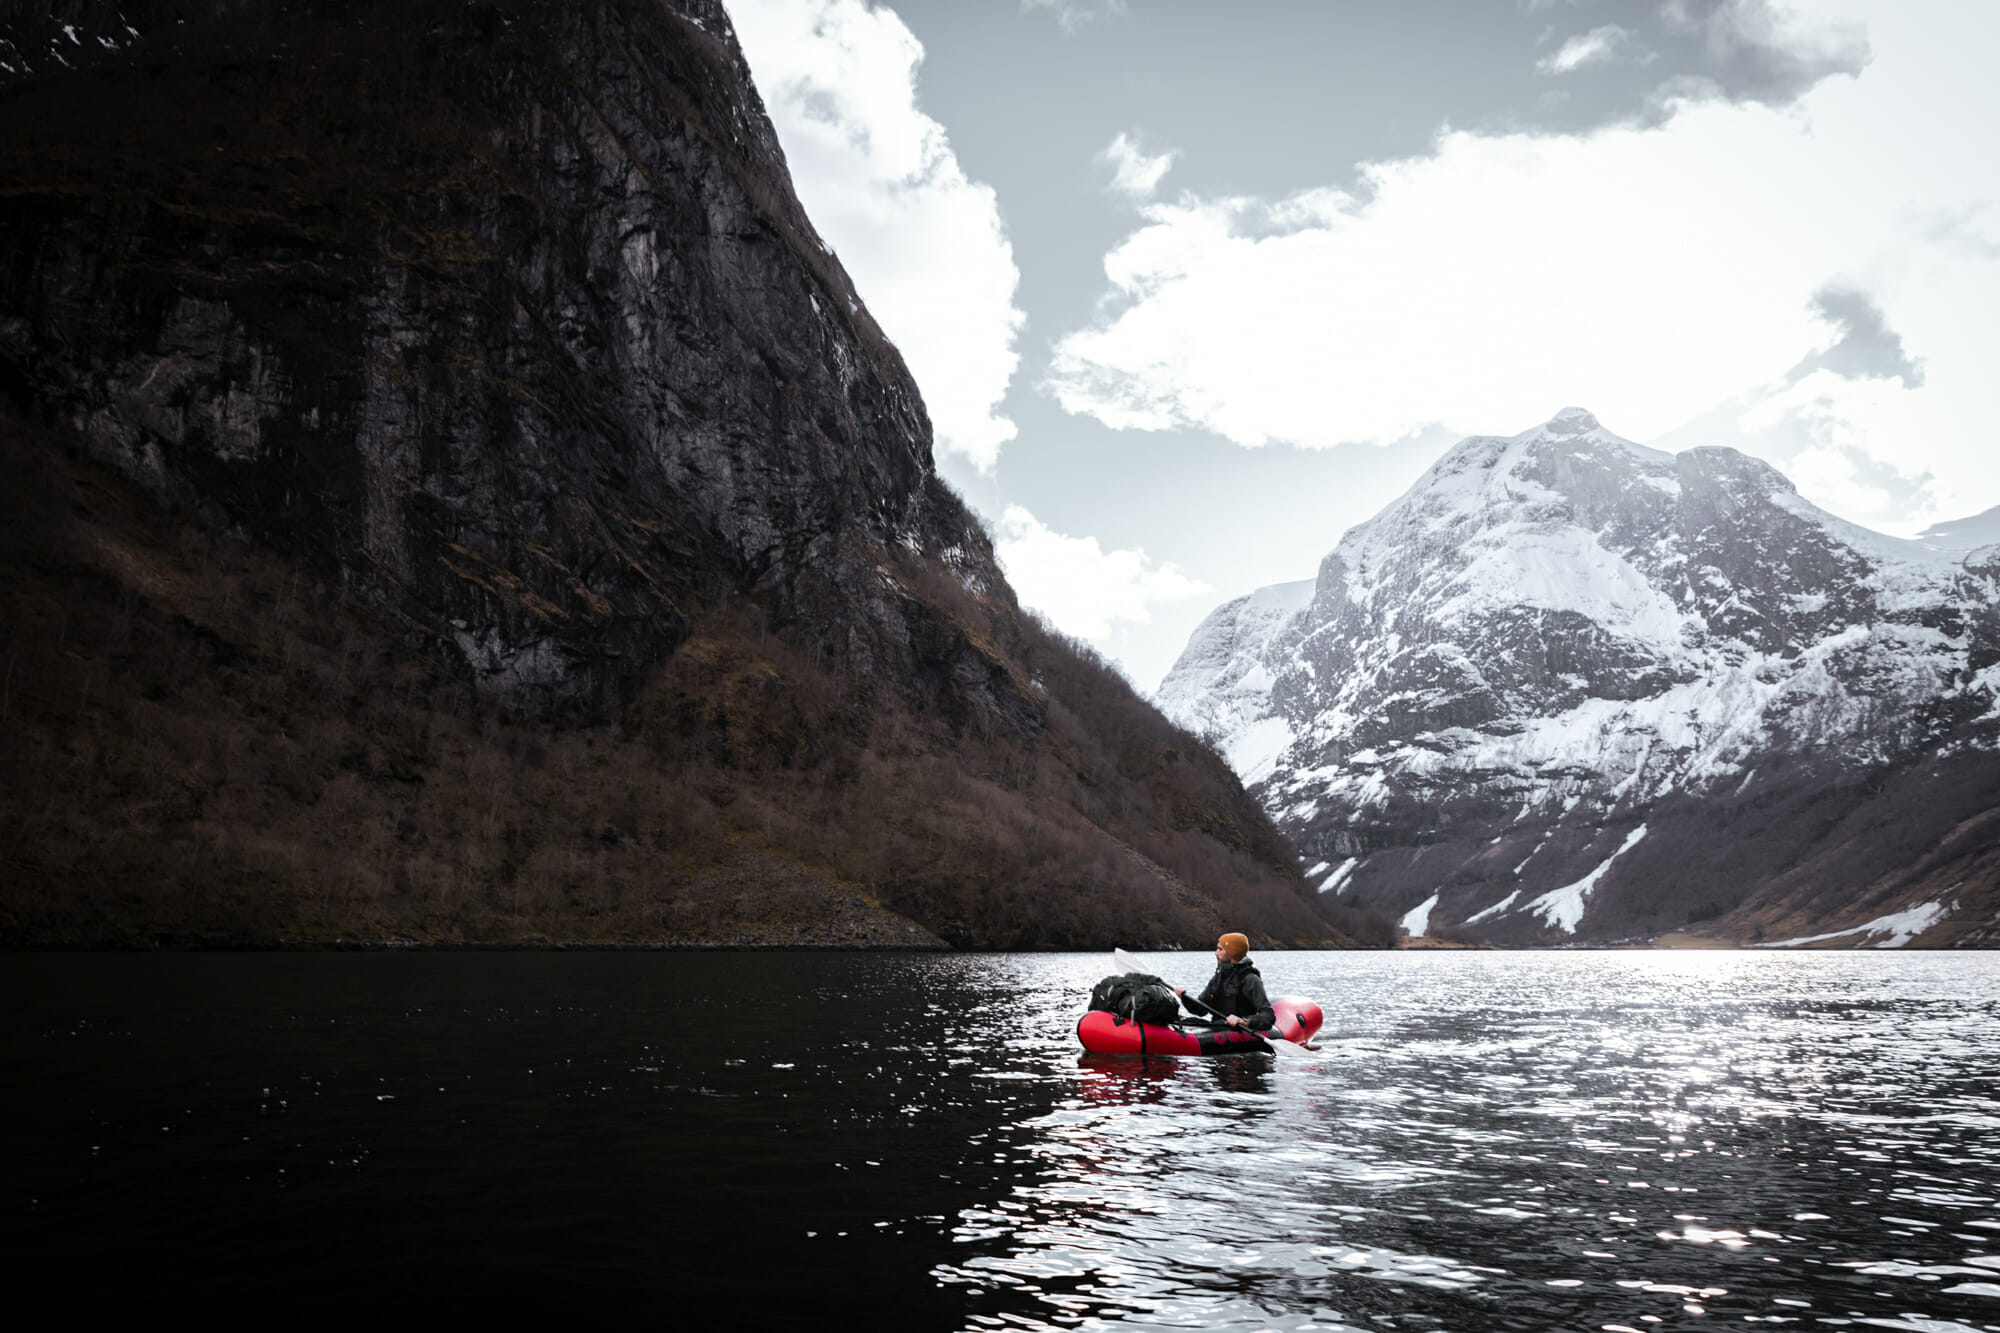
(1082, 588)
(1666, 276)
(923, 243)
(1472, 288)
(1866, 348)
(1764, 51)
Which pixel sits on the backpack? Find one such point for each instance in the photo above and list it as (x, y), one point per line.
(1139, 995)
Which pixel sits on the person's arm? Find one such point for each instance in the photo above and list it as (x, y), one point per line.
(1263, 1019)
(1193, 1006)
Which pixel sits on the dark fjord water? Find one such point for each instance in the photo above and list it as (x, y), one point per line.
(1492, 1141)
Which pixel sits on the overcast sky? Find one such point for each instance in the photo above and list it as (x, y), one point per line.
(1191, 288)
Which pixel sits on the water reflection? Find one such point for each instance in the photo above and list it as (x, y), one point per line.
(1119, 1080)
(1524, 1141)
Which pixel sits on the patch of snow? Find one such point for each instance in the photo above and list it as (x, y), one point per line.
(1338, 879)
(1526, 565)
(1254, 750)
(1899, 927)
(1417, 921)
(1984, 681)
(1314, 872)
(1563, 907)
(1497, 908)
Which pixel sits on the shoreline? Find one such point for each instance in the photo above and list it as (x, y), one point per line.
(198, 946)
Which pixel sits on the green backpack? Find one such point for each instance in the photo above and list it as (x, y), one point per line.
(1139, 995)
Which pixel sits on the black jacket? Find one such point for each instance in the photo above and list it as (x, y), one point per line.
(1237, 989)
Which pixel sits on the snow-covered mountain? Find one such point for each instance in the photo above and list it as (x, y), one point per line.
(1964, 534)
(1571, 687)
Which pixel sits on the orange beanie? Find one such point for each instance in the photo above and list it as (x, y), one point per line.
(1238, 946)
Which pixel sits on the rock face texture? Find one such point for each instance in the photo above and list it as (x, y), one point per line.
(1571, 688)
(500, 323)
(496, 314)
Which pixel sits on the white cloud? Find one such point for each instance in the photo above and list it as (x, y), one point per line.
(1134, 172)
(1836, 439)
(1073, 14)
(1775, 29)
(1078, 585)
(923, 243)
(1490, 282)
(1599, 46)
(1649, 274)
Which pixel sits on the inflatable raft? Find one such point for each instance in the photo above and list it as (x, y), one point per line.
(1113, 1034)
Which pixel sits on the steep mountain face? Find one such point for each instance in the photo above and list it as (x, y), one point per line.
(1569, 687)
(495, 314)
(498, 327)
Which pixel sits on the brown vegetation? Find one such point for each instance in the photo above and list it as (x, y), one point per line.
(206, 745)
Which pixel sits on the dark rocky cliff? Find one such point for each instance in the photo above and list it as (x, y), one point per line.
(484, 348)
(502, 316)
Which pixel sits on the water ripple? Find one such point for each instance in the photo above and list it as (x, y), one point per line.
(1598, 1141)
(1532, 1141)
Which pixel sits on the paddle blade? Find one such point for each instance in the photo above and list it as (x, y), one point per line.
(1285, 1050)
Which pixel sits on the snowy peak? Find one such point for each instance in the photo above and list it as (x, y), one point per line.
(1553, 633)
(1570, 457)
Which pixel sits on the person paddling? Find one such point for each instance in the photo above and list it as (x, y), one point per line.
(1235, 994)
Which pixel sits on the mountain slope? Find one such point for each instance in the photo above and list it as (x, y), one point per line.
(456, 495)
(1578, 688)
(1964, 534)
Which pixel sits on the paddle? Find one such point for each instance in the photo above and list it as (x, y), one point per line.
(1283, 1046)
